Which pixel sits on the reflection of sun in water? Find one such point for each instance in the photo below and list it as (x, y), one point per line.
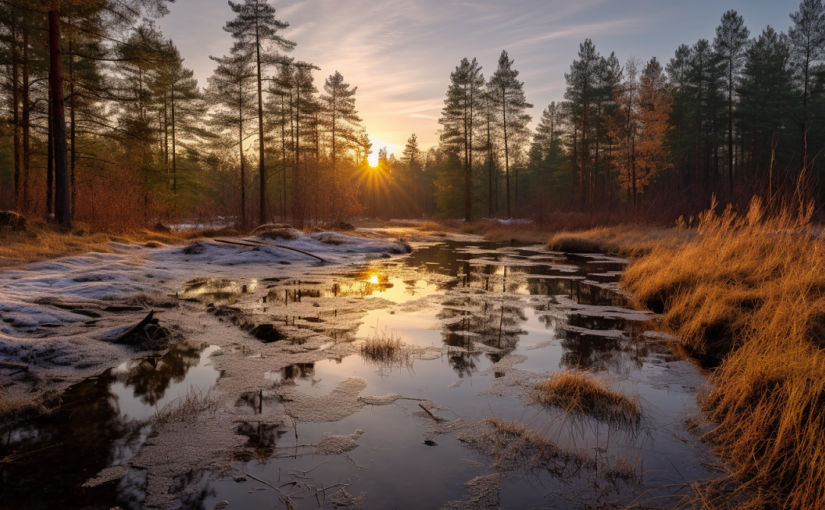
(374, 279)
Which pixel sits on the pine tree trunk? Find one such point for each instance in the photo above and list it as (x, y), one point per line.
(240, 153)
(506, 149)
(261, 163)
(63, 211)
(15, 98)
(26, 122)
(73, 156)
(174, 157)
(50, 162)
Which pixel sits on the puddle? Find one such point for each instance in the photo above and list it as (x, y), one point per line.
(100, 423)
(492, 320)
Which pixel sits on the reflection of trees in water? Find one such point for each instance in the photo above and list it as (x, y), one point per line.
(617, 354)
(261, 437)
(71, 444)
(576, 290)
(150, 378)
(488, 318)
(194, 487)
(302, 371)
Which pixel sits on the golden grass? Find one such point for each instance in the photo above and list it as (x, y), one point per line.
(43, 241)
(621, 239)
(750, 291)
(577, 393)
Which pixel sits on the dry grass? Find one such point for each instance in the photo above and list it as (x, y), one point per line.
(43, 241)
(187, 408)
(382, 346)
(577, 393)
(620, 239)
(750, 291)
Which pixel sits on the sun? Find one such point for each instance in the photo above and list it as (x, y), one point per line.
(374, 280)
(372, 159)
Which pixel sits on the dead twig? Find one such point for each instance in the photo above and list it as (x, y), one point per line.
(434, 417)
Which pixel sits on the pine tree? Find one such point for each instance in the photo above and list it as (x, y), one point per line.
(462, 106)
(411, 158)
(581, 89)
(231, 91)
(807, 37)
(508, 94)
(342, 120)
(729, 44)
(766, 99)
(255, 25)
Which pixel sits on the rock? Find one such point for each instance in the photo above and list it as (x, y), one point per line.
(160, 227)
(266, 333)
(194, 249)
(12, 220)
(220, 505)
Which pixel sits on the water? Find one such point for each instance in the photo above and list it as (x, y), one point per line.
(100, 422)
(485, 302)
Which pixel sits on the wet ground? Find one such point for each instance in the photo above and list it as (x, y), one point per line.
(479, 325)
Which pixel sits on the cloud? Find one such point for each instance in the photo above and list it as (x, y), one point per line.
(400, 52)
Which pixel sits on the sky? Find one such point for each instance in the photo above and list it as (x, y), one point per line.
(400, 53)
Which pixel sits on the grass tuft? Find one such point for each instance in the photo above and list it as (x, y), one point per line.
(577, 393)
(187, 408)
(382, 347)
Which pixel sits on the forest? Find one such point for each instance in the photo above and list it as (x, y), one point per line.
(105, 125)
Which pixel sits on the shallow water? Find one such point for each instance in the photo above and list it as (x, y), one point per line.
(483, 301)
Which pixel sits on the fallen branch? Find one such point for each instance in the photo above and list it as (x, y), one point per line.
(258, 244)
(9, 364)
(434, 417)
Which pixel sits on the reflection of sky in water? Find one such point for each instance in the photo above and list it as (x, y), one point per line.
(199, 378)
(498, 306)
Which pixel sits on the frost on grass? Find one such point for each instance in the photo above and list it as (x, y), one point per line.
(483, 493)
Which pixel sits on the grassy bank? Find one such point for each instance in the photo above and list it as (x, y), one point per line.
(750, 292)
(42, 241)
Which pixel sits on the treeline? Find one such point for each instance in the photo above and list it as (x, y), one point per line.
(732, 117)
(134, 140)
(104, 124)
